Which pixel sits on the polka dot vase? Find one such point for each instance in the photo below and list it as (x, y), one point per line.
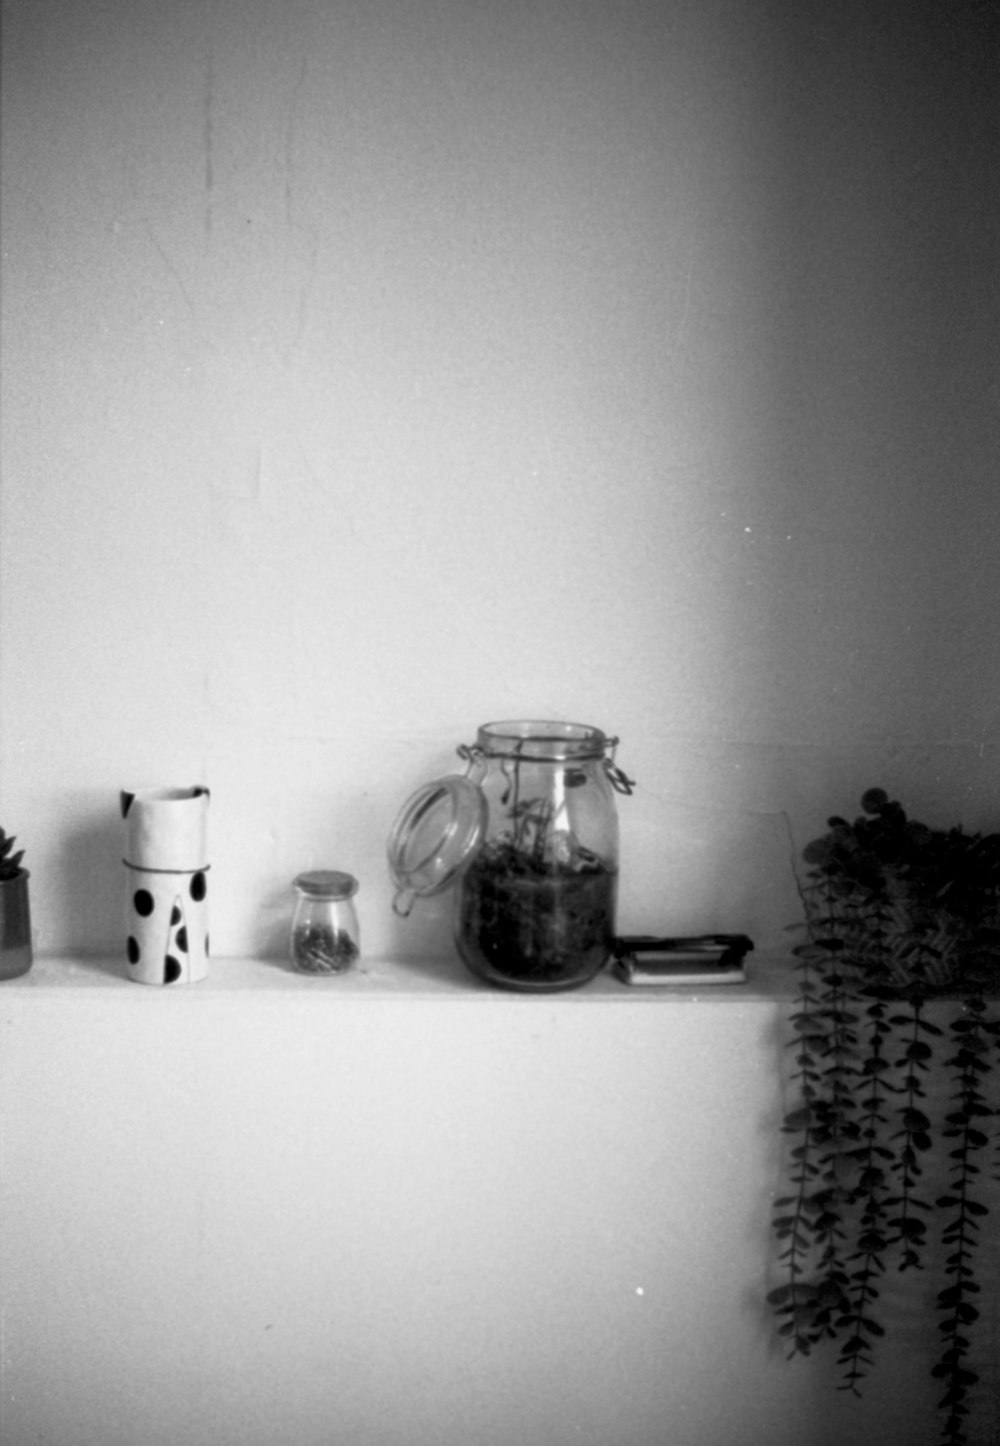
(166, 873)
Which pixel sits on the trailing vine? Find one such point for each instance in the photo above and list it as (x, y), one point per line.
(910, 1224)
(896, 916)
(858, 1323)
(964, 1210)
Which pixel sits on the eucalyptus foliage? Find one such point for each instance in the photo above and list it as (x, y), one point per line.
(881, 1175)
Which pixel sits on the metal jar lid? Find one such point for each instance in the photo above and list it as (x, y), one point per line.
(326, 884)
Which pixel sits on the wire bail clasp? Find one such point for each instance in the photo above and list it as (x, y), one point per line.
(619, 779)
(474, 759)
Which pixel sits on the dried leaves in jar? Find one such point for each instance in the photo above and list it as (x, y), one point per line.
(317, 949)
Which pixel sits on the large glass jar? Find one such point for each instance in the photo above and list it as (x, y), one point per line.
(536, 906)
(530, 838)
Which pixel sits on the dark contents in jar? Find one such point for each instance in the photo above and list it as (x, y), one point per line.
(319, 950)
(536, 928)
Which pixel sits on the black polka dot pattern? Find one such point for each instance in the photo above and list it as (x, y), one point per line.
(167, 941)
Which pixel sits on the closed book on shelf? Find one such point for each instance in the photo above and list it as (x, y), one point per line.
(705, 959)
(677, 972)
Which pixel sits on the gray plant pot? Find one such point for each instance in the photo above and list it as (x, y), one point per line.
(15, 927)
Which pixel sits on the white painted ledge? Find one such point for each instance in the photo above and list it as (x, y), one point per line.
(769, 978)
(400, 1208)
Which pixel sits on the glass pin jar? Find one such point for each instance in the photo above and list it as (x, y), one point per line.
(325, 937)
(530, 839)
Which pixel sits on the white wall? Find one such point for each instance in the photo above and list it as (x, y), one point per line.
(260, 1211)
(375, 369)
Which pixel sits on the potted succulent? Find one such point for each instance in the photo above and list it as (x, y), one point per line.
(894, 1123)
(15, 914)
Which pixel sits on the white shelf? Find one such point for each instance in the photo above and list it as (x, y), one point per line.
(441, 979)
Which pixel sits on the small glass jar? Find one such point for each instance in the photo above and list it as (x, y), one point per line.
(326, 938)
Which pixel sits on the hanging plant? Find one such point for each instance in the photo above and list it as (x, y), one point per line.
(897, 915)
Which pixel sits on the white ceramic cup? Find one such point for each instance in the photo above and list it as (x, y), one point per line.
(166, 869)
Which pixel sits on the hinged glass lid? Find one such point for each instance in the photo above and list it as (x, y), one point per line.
(437, 833)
